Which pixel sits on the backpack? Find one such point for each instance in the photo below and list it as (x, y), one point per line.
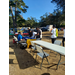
(56, 32)
(23, 47)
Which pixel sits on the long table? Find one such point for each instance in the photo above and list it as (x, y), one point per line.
(56, 48)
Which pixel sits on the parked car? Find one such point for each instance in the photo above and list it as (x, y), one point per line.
(14, 29)
(44, 29)
(35, 30)
(25, 31)
(59, 29)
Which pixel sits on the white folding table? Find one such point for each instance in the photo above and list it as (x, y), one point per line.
(56, 48)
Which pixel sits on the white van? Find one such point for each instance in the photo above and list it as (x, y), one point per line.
(49, 27)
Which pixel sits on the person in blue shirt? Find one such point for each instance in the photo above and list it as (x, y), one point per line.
(20, 36)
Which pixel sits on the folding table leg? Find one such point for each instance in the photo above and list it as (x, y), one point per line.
(47, 61)
(41, 63)
(16, 45)
(59, 61)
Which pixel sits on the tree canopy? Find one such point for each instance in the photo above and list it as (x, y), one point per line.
(16, 7)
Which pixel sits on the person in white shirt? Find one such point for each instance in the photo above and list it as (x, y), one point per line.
(33, 34)
(63, 37)
(41, 34)
(53, 34)
(12, 32)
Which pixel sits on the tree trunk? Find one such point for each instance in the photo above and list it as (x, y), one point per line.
(12, 17)
(16, 14)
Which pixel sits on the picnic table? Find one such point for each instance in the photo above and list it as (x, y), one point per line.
(56, 48)
(11, 34)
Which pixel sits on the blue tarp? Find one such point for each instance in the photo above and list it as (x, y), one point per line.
(26, 37)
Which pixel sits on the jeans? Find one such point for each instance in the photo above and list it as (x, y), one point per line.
(63, 40)
(53, 39)
(38, 38)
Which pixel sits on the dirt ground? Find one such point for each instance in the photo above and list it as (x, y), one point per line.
(22, 62)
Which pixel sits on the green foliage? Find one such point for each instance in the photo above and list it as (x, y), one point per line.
(19, 6)
(60, 3)
(57, 17)
(10, 22)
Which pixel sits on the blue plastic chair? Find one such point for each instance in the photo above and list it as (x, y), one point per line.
(42, 54)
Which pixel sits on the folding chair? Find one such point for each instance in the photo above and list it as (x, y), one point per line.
(23, 43)
(16, 40)
(32, 47)
(41, 54)
(57, 42)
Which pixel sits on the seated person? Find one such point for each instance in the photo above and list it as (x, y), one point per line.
(20, 37)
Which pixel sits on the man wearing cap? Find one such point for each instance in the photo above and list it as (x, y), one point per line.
(53, 34)
(29, 32)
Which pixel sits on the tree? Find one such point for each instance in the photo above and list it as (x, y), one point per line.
(10, 22)
(31, 22)
(16, 6)
(20, 21)
(60, 15)
(60, 3)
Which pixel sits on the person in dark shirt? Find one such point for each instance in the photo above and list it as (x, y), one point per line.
(38, 34)
(29, 32)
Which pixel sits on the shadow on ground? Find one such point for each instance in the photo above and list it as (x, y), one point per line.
(25, 60)
(45, 74)
(49, 37)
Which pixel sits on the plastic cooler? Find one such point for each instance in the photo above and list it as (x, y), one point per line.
(25, 33)
(14, 41)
